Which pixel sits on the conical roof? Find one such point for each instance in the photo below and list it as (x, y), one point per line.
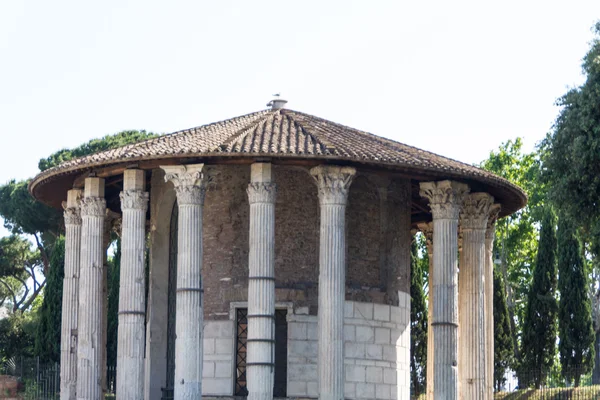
(288, 136)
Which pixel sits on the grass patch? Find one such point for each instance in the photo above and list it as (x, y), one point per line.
(580, 393)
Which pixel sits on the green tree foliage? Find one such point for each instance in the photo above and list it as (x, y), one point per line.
(539, 328)
(572, 149)
(94, 146)
(503, 343)
(576, 346)
(114, 270)
(17, 333)
(418, 323)
(47, 341)
(572, 167)
(23, 215)
(18, 263)
(516, 235)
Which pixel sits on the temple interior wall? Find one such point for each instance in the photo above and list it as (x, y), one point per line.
(378, 271)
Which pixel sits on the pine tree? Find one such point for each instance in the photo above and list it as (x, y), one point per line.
(503, 344)
(47, 340)
(538, 345)
(418, 324)
(576, 346)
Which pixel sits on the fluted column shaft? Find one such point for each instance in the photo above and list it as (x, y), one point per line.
(190, 190)
(261, 285)
(445, 200)
(70, 297)
(472, 337)
(489, 298)
(132, 299)
(90, 315)
(427, 230)
(333, 185)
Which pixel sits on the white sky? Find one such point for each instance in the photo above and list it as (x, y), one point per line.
(456, 78)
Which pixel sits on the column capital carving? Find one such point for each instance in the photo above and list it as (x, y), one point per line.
(72, 215)
(476, 211)
(134, 200)
(333, 183)
(491, 223)
(93, 206)
(189, 181)
(261, 192)
(445, 198)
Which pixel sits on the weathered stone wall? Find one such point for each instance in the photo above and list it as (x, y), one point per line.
(226, 225)
(363, 236)
(377, 352)
(219, 356)
(296, 237)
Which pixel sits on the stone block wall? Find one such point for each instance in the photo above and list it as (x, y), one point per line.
(219, 356)
(377, 351)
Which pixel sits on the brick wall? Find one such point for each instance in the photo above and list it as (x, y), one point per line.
(378, 239)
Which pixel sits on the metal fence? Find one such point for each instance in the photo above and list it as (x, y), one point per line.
(41, 381)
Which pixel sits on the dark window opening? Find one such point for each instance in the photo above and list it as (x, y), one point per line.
(241, 351)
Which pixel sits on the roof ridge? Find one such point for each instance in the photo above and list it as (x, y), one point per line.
(329, 146)
(243, 131)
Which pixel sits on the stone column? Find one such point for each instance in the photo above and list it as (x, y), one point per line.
(489, 297)
(70, 296)
(445, 199)
(132, 291)
(190, 189)
(333, 184)
(427, 229)
(90, 316)
(472, 338)
(261, 284)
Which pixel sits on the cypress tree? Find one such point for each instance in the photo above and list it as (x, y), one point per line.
(576, 346)
(503, 344)
(418, 324)
(47, 339)
(539, 327)
(113, 278)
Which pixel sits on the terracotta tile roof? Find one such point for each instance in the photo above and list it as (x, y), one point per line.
(283, 133)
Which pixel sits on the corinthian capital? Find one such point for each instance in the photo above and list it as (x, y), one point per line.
(72, 207)
(93, 207)
(445, 198)
(491, 223)
(134, 200)
(189, 182)
(72, 216)
(476, 211)
(333, 183)
(261, 192)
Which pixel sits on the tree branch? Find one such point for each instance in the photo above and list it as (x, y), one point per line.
(33, 296)
(12, 293)
(45, 259)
